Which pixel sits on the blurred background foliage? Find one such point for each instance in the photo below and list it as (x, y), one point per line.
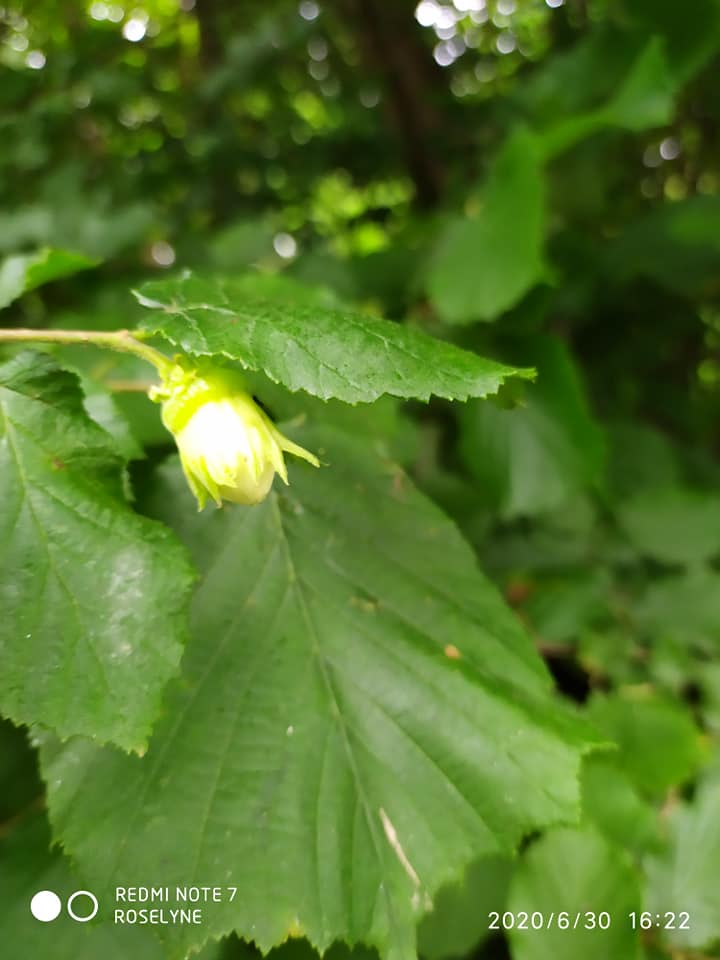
(537, 180)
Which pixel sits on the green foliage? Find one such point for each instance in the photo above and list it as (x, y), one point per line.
(486, 263)
(21, 273)
(673, 525)
(689, 40)
(19, 781)
(83, 651)
(658, 741)
(385, 754)
(643, 100)
(305, 346)
(536, 456)
(576, 876)
(459, 918)
(685, 875)
(611, 802)
(676, 246)
(472, 662)
(26, 866)
(684, 610)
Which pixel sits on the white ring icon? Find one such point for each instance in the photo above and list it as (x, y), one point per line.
(82, 893)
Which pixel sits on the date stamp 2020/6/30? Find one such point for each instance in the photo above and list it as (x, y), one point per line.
(586, 920)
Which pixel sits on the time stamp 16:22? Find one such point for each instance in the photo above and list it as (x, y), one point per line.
(586, 920)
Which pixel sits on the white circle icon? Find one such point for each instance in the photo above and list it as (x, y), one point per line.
(82, 893)
(45, 905)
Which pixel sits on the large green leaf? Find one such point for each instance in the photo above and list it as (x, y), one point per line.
(24, 272)
(485, 264)
(686, 878)
(684, 609)
(307, 346)
(690, 40)
(579, 77)
(640, 457)
(93, 596)
(660, 746)
(561, 609)
(360, 716)
(611, 802)
(677, 245)
(643, 100)
(570, 877)
(534, 458)
(26, 867)
(459, 919)
(673, 524)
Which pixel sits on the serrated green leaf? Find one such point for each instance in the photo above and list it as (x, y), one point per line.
(484, 265)
(24, 272)
(26, 867)
(232, 948)
(575, 873)
(360, 717)
(325, 351)
(93, 596)
(385, 425)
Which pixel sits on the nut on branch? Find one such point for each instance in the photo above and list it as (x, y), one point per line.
(229, 448)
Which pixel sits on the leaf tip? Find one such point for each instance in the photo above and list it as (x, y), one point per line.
(147, 301)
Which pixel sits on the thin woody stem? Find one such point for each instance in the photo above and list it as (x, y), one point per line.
(121, 340)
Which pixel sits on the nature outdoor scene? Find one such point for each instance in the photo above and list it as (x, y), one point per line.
(359, 479)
